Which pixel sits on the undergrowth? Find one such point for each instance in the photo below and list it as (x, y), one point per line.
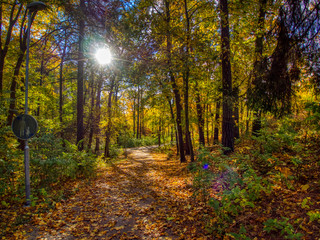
(265, 168)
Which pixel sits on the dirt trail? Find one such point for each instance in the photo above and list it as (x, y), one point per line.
(142, 197)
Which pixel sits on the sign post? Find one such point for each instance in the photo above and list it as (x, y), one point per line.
(25, 126)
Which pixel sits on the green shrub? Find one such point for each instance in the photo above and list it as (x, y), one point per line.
(313, 109)
(11, 163)
(127, 141)
(52, 161)
(282, 226)
(229, 187)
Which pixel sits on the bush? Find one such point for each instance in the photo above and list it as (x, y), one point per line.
(52, 162)
(11, 162)
(230, 187)
(313, 109)
(127, 141)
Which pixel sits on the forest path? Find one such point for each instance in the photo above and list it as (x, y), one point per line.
(142, 197)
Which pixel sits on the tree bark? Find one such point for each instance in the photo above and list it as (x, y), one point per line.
(227, 105)
(236, 116)
(138, 113)
(175, 128)
(4, 49)
(80, 79)
(97, 118)
(23, 48)
(109, 124)
(258, 65)
(217, 123)
(91, 120)
(189, 148)
(61, 85)
(134, 116)
(173, 83)
(200, 116)
(207, 123)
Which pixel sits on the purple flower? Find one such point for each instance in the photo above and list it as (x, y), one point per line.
(205, 166)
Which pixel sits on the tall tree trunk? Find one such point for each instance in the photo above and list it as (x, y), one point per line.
(91, 120)
(175, 128)
(189, 148)
(109, 117)
(227, 118)
(258, 65)
(138, 113)
(80, 79)
(173, 83)
(236, 116)
(61, 85)
(200, 116)
(97, 118)
(12, 105)
(141, 114)
(217, 123)
(134, 116)
(159, 132)
(207, 123)
(14, 15)
(23, 48)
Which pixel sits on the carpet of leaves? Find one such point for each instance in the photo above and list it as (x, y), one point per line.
(146, 196)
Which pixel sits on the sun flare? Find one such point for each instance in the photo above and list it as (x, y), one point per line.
(103, 56)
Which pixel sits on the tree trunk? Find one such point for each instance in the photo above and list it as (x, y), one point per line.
(175, 128)
(173, 83)
(227, 118)
(23, 48)
(159, 133)
(189, 148)
(138, 113)
(4, 49)
(200, 117)
(91, 120)
(97, 118)
(12, 106)
(109, 124)
(217, 123)
(236, 116)
(61, 85)
(80, 79)
(42, 69)
(207, 124)
(258, 65)
(134, 116)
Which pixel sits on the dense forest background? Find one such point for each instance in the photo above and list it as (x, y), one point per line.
(239, 76)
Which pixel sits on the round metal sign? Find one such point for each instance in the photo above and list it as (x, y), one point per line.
(24, 126)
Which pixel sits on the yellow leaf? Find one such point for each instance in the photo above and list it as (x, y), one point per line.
(119, 228)
(305, 187)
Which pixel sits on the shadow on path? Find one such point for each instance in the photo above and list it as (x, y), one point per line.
(138, 198)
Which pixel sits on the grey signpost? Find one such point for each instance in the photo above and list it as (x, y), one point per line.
(25, 126)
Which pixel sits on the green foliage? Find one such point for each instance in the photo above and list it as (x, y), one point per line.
(283, 226)
(52, 162)
(202, 176)
(129, 142)
(274, 138)
(314, 114)
(10, 162)
(241, 235)
(314, 215)
(115, 150)
(230, 191)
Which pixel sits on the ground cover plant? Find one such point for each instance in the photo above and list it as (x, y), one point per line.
(160, 119)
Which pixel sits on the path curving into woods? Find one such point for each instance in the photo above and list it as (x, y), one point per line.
(146, 196)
